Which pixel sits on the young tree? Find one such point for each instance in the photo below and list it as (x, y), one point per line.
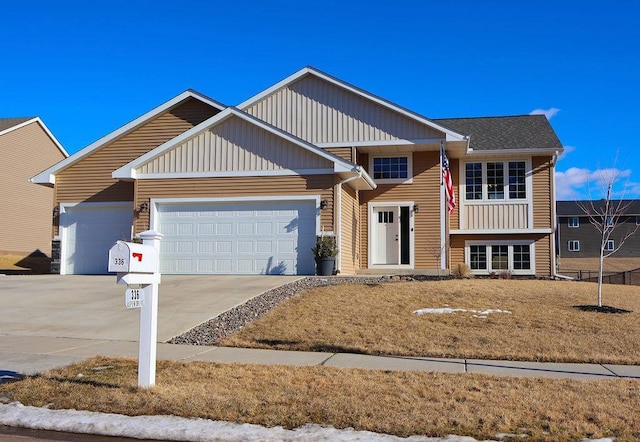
(607, 216)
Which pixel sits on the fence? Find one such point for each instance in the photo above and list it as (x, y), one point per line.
(629, 277)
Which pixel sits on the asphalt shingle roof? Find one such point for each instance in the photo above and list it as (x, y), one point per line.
(572, 208)
(512, 132)
(7, 123)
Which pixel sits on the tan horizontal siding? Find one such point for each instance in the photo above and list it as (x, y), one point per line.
(350, 238)
(542, 171)
(320, 112)
(542, 249)
(25, 224)
(90, 179)
(346, 153)
(424, 191)
(454, 218)
(322, 185)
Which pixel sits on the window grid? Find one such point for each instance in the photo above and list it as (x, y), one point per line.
(387, 168)
(521, 257)
(474, 181)
(574, 221)
(495, 181)
(517, 186)
(500, 257)
(478, 255)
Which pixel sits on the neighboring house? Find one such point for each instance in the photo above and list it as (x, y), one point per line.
(26, 148)
(246, 189)
(578, 238)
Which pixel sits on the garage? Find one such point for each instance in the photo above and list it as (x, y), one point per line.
(237, 237)
(87, 232)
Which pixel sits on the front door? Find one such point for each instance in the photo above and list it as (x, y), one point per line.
(386, 235)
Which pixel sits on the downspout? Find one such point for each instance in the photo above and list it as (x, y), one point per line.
(338, 212)
(554, 220)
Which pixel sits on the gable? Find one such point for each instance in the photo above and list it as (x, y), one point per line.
(324, 112)
(234, 146)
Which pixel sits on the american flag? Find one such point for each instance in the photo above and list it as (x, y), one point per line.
(447, 181)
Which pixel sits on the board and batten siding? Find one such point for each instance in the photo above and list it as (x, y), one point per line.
(26, 207)
(89, 180)
(234, 145)
(321, 112)
(542, 245)
(424, 191)
(350, 238)
(542, 179)
(229, 187)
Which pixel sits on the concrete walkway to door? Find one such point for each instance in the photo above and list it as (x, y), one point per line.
(65, 312)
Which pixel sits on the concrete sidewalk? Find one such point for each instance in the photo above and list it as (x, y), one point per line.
(25, 355)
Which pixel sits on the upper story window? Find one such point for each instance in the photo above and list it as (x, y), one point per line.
(496, 180)
(637, 220)
(574, 245)
(574, 221)
(608, 221)
(391, 169)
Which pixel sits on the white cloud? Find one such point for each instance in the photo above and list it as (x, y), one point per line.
(567, 150)
(576, 183)
(549, 113)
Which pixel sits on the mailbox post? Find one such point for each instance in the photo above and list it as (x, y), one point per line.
(139, 264)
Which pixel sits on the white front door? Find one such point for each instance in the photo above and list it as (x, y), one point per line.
(386, 235)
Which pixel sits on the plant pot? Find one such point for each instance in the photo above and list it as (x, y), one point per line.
(325, 265)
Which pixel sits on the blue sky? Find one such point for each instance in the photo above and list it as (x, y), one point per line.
(88, 68)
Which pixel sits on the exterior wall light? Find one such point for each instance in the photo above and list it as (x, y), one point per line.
(144, 207)
(324, 204)
(416, 208)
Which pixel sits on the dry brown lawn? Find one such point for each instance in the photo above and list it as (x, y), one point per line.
(543, 325)
(400, 403)
(610, 264)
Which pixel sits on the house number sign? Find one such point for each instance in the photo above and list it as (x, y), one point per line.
(134, 298)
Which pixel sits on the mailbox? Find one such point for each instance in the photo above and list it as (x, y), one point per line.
(128, 257)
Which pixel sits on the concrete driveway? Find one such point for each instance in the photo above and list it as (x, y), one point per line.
(92, 307)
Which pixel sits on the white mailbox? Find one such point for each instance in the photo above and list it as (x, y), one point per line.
(128, 257)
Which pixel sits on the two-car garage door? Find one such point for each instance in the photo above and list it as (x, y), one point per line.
(246, 237)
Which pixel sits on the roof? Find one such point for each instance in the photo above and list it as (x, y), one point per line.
(451, 134)
(8, 123)
(572, 208)
(47, 177)
(508, 132)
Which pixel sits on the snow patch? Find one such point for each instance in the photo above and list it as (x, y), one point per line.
(448, 310)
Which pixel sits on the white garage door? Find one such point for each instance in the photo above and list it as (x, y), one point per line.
(88, 231)
(266, 237)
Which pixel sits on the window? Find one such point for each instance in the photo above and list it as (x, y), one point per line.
(637, 220)
(608, 221)
(574, 245)
(517, 187)
(397, 169)
(473, 173)
(478, 257)
(610, 245)
(574, 222)
(496, 180)
(500, 256)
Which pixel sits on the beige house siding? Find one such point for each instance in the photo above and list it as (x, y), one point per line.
(350, 242)
(322, 185)
(26, 207)
(424, 191)
(346, 153)
(234, 145)
(542, 248)
(542, 178)
(321, 112)
(90, 179)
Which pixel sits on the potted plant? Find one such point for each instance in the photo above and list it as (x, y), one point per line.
(325, 252)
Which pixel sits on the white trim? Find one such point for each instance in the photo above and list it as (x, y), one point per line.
(248, 173)
(407, 180)
(128, 171)
(398, 142)
(62, 230)
(489, 243)
(370, 237)
(574, 242)
(154, 202)
(43, 126)
(515, 152)
(501, 231)
(571, 218)
(48, 176)
(450, 135)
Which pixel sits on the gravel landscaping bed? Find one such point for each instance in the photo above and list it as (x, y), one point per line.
(229, 322)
